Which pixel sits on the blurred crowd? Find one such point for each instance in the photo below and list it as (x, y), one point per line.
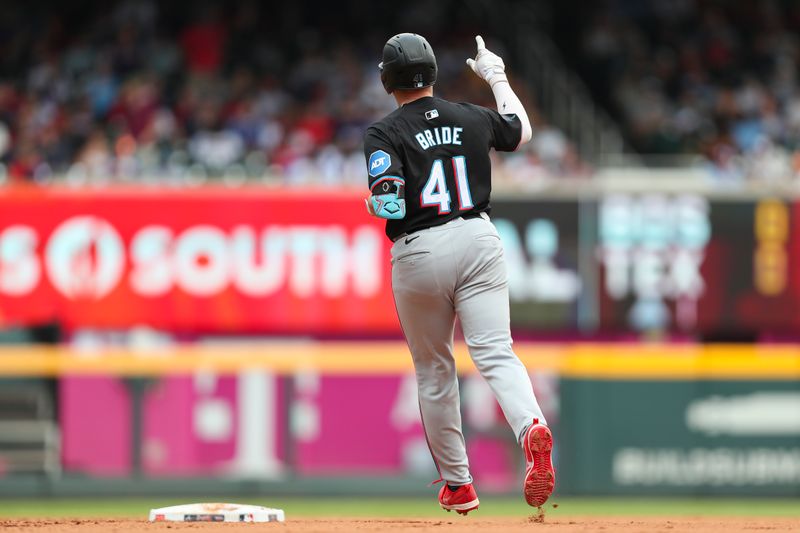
(699, 76)
(138, 90)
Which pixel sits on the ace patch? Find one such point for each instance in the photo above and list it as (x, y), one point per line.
(379, 162)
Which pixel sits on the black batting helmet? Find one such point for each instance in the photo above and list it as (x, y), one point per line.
(408, 63)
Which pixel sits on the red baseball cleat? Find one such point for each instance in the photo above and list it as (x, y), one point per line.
(462, 500)
(540, 476)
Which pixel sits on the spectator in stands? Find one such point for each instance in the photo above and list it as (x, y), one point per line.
(716, 78)
(136, 91)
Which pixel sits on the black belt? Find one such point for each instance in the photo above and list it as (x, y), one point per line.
(471, 214)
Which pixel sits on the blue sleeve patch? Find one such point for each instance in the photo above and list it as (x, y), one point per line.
(379, 162)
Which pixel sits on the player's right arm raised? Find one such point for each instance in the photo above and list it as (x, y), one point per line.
(490, 67)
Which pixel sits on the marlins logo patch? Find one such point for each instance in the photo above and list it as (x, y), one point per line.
(379, 162)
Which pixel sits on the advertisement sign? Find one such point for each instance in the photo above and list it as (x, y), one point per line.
(264, 426)
(541, 244)
(217, 260)
(674, 437)
(204, 260)
(684, 263)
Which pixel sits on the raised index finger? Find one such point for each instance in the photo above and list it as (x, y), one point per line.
(479, 42)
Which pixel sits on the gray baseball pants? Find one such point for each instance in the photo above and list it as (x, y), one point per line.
(440, 273)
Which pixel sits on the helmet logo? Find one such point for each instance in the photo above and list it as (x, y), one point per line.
(418, 81)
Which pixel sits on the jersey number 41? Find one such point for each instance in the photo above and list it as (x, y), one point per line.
(435, 193)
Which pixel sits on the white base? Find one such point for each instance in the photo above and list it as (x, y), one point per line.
(216, 512)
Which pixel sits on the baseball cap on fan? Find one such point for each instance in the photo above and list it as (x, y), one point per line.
(408, 63)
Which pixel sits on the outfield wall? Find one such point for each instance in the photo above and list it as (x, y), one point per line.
(628, 418)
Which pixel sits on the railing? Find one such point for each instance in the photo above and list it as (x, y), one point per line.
(563, 96)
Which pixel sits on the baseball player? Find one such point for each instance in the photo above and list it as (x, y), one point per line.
(430, 177)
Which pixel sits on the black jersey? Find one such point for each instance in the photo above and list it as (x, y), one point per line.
(441, 150)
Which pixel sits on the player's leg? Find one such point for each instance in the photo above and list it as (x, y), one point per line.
(483, 309)
(482, 306)
(423, 292)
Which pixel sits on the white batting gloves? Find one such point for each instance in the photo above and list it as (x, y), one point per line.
(487, 65)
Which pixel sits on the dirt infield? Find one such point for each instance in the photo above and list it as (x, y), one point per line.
(455, 523)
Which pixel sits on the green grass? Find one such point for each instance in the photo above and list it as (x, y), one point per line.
(416, 507)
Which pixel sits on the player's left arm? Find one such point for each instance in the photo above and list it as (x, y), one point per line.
(491, 68)
(386, 182)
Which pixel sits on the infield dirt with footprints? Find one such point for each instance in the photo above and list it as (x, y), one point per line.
(455, 523)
